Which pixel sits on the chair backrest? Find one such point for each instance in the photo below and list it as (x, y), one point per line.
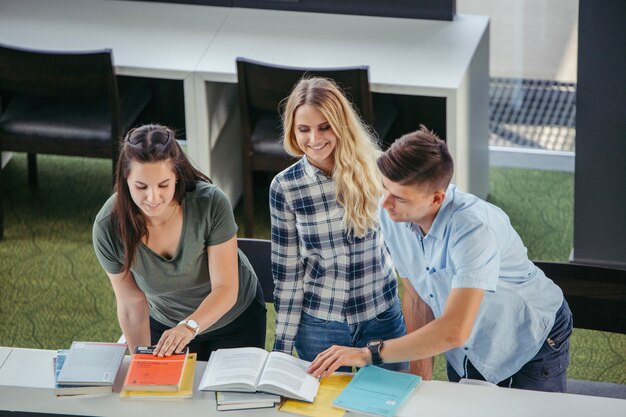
(259, 253)
(596, 295)
(597, 298)
(263, 86)
(61, 74)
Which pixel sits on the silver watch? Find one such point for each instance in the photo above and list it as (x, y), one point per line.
(191, 325)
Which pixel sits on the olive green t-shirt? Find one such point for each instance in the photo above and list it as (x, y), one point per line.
(175, 287)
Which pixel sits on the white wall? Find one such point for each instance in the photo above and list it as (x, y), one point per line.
(535, 39)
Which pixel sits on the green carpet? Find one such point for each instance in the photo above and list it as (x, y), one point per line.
(53, 290)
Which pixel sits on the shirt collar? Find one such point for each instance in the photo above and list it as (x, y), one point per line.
(310, 169)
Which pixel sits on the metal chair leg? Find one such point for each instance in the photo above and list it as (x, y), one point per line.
(248, 203)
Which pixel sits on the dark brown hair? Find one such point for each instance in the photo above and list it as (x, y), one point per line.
(418, 158)
(148, 143)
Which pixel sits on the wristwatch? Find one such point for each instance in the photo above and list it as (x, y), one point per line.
(191, 325)
(375, 346)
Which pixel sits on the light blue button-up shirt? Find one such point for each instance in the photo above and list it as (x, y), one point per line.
(472, 244)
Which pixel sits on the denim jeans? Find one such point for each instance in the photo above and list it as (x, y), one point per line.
(547, 370)
(316, 335)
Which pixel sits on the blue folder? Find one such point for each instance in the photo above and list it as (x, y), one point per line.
(377, 391)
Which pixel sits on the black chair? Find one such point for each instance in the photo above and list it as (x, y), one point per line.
(63, 103)
(597, 298)
(259, 253)
(262, 87)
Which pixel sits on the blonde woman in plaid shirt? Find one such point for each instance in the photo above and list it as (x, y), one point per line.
(334, 278)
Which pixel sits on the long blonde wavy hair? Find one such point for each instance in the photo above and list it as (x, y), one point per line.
(357, 179)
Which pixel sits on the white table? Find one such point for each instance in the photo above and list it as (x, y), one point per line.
(405, 56)
(26, 385)
(153, 40)
(199, 44)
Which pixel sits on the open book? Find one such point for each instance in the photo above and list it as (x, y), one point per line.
(254, 369)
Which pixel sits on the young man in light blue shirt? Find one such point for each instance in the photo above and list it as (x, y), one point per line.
(470, 289)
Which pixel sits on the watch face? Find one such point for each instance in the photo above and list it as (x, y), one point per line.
(193, 324)
(374, 343)
(374, 347)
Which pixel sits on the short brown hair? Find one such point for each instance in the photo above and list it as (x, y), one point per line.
(418, 158)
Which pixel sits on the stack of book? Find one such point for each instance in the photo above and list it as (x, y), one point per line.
(87, 368)
(159, 378)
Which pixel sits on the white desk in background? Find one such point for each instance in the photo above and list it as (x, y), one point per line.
(26, 385)
(154, 40)
(405, 56)
(148, 39)
(199, 44)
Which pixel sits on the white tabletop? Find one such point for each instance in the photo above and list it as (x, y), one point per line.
(22, 364)
(157, 40)
(431, 398)
(406, 56)
(4, 354)
(443, 399)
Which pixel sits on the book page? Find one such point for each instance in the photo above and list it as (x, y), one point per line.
(233, 366)
(289, 373)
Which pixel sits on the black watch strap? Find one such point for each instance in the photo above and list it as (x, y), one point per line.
(375, 346)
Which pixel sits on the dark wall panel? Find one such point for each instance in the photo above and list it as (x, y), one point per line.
(415, 9)
(600, 178)
(223, 3)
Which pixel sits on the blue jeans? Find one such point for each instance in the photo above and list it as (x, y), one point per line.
(547, 370)
(316, 335)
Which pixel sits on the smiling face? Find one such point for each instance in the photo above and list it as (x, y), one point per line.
(152, 186)
(315, 137)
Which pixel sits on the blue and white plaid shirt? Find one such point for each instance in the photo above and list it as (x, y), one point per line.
(318, 267)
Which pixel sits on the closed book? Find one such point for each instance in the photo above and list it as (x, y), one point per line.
(330, 387)
(148, 372)
(185, 391)
(91, 363)
(67, 390)
(377, 392)
(244, 400)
